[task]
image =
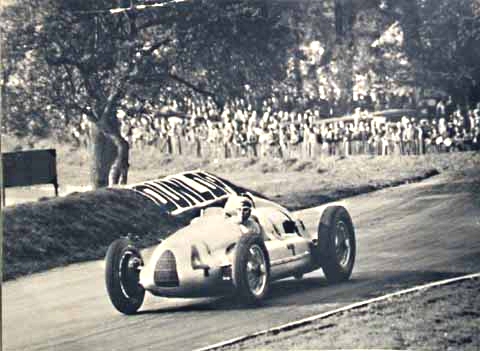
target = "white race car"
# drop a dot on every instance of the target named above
(212, 256)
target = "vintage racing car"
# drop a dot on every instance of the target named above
(214, 256)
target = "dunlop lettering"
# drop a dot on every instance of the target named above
(195, 187)
(216, 181)
(216, 190)
(181, 192)
(185, 191)
(178, 200)
(148, 189)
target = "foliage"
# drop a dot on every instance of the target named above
(450, 45)
(211, 47)
(442, 40)
(83, 59)
(65, 59)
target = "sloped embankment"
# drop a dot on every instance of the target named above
(79, 227)
(47, 234)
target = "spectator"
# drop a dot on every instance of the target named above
(294, 141)
(252, 141)
(275, 129)
(228, 134)
(440, 109)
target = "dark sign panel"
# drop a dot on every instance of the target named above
(29, 168)
(185, 191)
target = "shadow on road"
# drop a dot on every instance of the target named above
(315, 290)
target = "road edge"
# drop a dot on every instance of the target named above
(305, 321)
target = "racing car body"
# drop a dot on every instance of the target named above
(212, 256)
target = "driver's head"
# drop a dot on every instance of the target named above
(240, 207)
(244, 210)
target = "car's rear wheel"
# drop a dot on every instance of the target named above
(336, 244)
(122, 273)
(251, 269)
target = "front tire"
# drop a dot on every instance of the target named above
(122, 271)
(336, 244)
(251, 269)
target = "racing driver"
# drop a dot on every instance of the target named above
(239, 209)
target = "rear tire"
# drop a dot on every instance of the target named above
(122, 276)
(336, 244)
(251, 269)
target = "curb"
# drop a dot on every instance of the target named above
(309, 320)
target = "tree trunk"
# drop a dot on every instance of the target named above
(344, 21)
(103, 153)
(119, 169)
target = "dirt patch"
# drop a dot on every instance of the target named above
(442, 318)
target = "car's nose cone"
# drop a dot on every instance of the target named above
(165, 273)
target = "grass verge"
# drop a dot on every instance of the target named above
(42, 235)
(79, 227)
(441, 318)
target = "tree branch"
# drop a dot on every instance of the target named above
(70, 79)
(91, 115)
(114, 95)
(155, 46)
(62, 60)
(195, 88)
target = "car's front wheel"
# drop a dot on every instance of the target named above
(122, 270)
(251, 269)
(336, 244)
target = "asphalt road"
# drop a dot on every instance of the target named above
(406, 236)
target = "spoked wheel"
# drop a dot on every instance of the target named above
(251, 270)
(343, 244)
(337, 246)
(122, 275)
(256, 270)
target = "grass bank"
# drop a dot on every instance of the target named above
(442, 318)
(42, 235)
(79, 227)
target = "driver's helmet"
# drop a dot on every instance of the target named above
(236, 203)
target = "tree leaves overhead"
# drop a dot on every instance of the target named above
(213, 46)
(75, 56)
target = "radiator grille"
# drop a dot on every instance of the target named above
(166, 270)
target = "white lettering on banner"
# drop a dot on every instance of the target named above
(199, 187)
(185, 191)
(155, 196)
(161, 185)
(152, 196)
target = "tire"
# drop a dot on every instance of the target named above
(251, 269)
(336, 244)
(122, 281)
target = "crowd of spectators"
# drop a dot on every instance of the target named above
(273, 130)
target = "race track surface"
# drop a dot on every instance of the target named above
(406, 236)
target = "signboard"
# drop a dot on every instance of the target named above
(27, 168)
(182, 192)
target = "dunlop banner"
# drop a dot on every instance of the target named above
(185, 191)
